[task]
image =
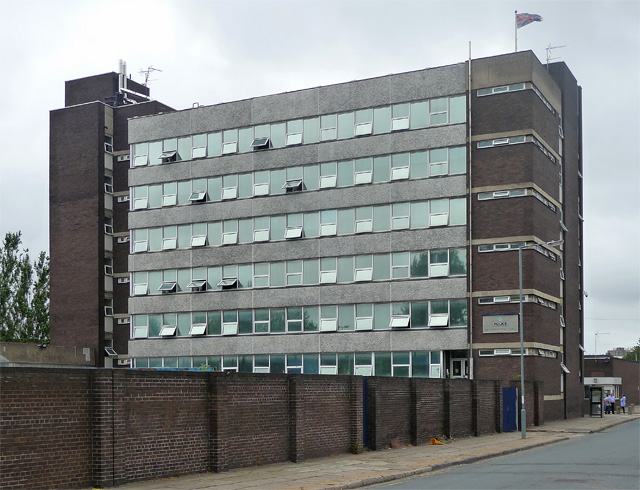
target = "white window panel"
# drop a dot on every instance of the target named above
(502, 299)
(169, 200)
(199, 152)
(140, 246)
(328, 229)
(140, 289)
(108, 229)
(399, 222)
(398, 173)
(499, 194)
(168, 331)
(364, 226)
(140, 161)
(261, 236)
(364, 274)
(364, 177)
(110, 352)
(198, 196)
(108, 188)
(169, 243)
(140, 203)
(139, 332)
(230, 328)
(438, 270)
(167, 287)
(263, 370)
(439, 219)
(439, 320)
(261, 189)
(328, 369)
(229, 193)
(364, 323)
(363, 370)
(565, 368)
(293, 139)
(364, 128)
(198, 329)
(230, 238)
(231, 147)
(328, 134)
(434, 371)
(199, 241)
(328, 277)
(328, 325)
(401, 321)
(399, 123)
(108, 310)
(293, 232)
(501, 141)
(327, 181)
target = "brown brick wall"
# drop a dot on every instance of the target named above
(111, 427)
(629, 371)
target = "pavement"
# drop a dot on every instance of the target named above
(375, 467)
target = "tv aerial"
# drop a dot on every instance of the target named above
(549, 58)
(147, 74)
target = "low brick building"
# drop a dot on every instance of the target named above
(621, 374)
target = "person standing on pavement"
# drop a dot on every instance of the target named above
(606, 405)
(612, 401)
(623, 403)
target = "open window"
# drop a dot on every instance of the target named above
(293, 139)
(399, 321)
(198, 285)
(293, 232)
(110, 352)
(261, 143)
(228, 283)
(364, 128)
(168, 287)
(198, 196)
(441, 320)
(293, 185)
(198, 329)
(169, 156)
(168, 330)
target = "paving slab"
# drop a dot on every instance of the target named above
(375, 467)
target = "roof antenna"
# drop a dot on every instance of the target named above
(147, 73)
(549, 58)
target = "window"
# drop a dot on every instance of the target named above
(293, 139)
(399, 321)
(198, 196)
(261, 143)
(439, 212)
(293, 232)
(293, 185)
(168, 287)
(364, 268)
(328, 270)
(400, 117)
(328, 318)
(168, 330)
(328, 127)
(364, 317)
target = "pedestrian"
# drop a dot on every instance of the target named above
(623, 403)
(612, 401)
(606, 405)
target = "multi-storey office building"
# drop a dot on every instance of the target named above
(89, 201)
(370, 227)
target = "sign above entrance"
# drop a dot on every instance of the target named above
(500, 323)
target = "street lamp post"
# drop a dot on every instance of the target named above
(523, 412)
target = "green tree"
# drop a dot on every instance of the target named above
(24, 293)
(634, 355)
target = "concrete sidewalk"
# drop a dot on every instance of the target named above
(371, 467)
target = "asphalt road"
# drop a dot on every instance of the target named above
(609, 460)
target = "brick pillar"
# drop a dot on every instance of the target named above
(102, 436)
(446, 408)
(356, 419)
(498, 397)
(474, 408)
(217, 393)
(538, 402)
(296, 419)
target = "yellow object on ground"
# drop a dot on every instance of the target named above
(436, 441)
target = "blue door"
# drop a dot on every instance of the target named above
(509, 409)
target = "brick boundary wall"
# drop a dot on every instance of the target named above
(70, 428)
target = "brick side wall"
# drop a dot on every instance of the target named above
(112, 427)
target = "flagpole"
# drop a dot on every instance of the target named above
(515, 25)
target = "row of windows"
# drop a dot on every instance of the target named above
(327, 318)
(526, 298)
(505, 247)
(516, 352)
(329, 222)
(347, 173)
(484, 196)
(516, 87)
(414, 115)
(516, 140)
(418, 364)
(327, 270)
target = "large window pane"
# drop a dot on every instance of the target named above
(420, 364)
(346, 317)
(381, 169)
(345, 269)
(458, 211)
(458, 262)
(459, 313)
(382, 218)
(383, 364)
(381, 120)
(345, 125)
(419, 215)
(382, 316)
(419, 315)
(457, 160)
(345, 173)
(457, 109)
(381, 267)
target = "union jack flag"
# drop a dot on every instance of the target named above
(526, 19)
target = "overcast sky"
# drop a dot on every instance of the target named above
(216, 51)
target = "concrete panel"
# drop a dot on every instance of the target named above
(286, 106)
(150, 128)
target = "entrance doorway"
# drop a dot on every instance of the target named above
(459, 368)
